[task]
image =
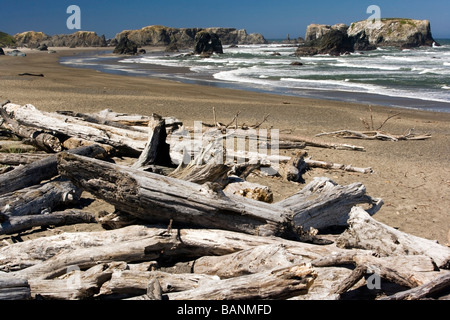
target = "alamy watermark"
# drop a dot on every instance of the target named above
(74, 21)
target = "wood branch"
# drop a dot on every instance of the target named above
(320, 144)
(366, 233)
(128, 141)
(375, 135)
(43, 140)
(16, 159)
(155, 198)
(323, 203)
(39, 199)
(356, 275)
(58, 218)
(275, 284)
(336, 166)
(156, 150)
(45, 169)
(431, 289)
(12, 288)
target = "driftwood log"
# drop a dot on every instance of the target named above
(364, 232)
(156, 198)
(12, 288)
(45, 169)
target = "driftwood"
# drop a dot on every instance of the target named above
(428, 290)
(129, 141)
(45, 169)
(275, 284)
(39, 138)
(16, 159)
(250, 190)
(376, 135)
(12, 288)
(156, 151)
(366, 233)
(58, 218)
(39, 199)
(156, 198)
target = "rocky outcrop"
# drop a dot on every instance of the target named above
(403, 33)
(333, 42)
(185, 37)
(32, 39)
(316, 31)
(366, 35)
(207, 43)
(126, 46)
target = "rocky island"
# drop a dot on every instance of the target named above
(366, 35)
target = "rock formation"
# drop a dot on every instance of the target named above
(126, 46)
(334, 43)
(366, 35)
(403, 33)
(185, 37)
(32, 39)
(207, 43)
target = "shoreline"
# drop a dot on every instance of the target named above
(412, 177)
(109, 63)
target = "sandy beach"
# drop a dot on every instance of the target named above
(412, 177)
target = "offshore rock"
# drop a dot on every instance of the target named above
(207, 43)
(402, 33)
(316, 31)
(333, 42)
(126, 46)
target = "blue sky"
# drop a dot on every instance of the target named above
(274, 19)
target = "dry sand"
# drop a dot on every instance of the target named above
(412, 177)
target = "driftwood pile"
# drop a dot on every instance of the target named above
(187, 225)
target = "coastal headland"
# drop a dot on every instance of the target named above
(412, 177)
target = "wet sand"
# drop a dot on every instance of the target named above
(412, 177)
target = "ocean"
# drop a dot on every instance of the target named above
(416, 78)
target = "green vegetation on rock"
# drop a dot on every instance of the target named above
(6, 40)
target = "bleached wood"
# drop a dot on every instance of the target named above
(274, 284)
(366, 233)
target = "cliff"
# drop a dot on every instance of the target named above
(185, 37)
(403, 33)
(32, 39)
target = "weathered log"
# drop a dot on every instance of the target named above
(39, 199)
(74, 143)
(429, 290)
(128, 141)
(11, 146)
(67, 217)
(156, 198)
(45, 169)
(336, 166)
(135, 283)
(323, 203)
(12, 288)
(200, 242)
(75, 284)
(376, 135)
(156, 150)
(43, 140)
(364, 232)
(274, 284)
(320, 144)
(16, 159)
